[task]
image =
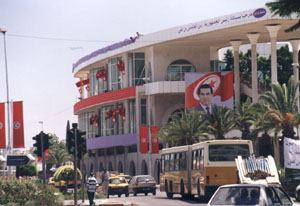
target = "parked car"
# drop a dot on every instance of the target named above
(297, 193)
(290, 183)
(142, 184)
(250, 194)
(117, 186)
(127, 177)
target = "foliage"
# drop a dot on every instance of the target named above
(183, 129)
(285, 8)
(66, 173)
(228, 58)
(26, 170)
(58, 153)
(282, 103)
(220, 122)
(27, 192)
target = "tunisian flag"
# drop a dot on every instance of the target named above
(154, 140)
(144, 139)
(221, 83)
(2, 126)
(18, 130)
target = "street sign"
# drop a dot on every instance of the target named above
(18, 160)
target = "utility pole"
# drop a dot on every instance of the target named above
(74, 125)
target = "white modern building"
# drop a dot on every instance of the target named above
(140, 81)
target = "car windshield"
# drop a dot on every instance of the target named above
(236, 196)
(145, 179)
(283, 196)
(117, 181)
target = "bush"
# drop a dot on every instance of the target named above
(26, 170)
(27, 192)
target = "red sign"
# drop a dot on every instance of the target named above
(144, 139)
(18, 125)
(154, 140)
(2, 126)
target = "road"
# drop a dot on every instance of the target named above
(161, 199)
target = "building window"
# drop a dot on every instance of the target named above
(119, 121)
(143, 112)
(107, 126)
(84, 125)
(97, 86)
(115, 76)
(132, 119)
(136, 68)
(176, 70)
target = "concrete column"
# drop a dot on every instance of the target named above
(253, 37)
(273, 30)
(126, 123)
(126, 161)
(295, 45)
(213, 56)
(126, 76)
(236, 45)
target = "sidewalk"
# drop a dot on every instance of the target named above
(100, 202)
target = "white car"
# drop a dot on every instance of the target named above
(297, 194)
(250, 194)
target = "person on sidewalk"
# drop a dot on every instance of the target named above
(91, 188)
(104, 178)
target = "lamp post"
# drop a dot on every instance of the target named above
(3, 31)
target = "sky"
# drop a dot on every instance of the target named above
(45, 37)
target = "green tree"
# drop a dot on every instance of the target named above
(284, 60)
(228, 58)
(26, 170)
(183, 129)
(220, 122)
(58, 153)
(285, 8)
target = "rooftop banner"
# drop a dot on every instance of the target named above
(18, 125)
(291, 149)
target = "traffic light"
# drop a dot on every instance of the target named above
(38, 145)
(71, 141)
(81, 144)
(47, 142)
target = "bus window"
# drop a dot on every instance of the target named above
(227, 152)
(167, 162)
(182, 161)
(201, 159)
(176, 162)
(171, 162)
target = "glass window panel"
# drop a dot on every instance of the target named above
(227, 152)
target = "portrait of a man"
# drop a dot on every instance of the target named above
(205, 96)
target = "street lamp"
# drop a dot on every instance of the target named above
(3, 31)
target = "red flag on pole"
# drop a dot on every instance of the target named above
(2, 126)
(154, 140)
(144, 139)
(18, 126)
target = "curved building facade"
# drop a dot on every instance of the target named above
(128, 90)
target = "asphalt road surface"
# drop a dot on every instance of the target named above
(160, 199)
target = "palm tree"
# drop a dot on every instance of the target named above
(183, 129)
(285, 8)
(219, 122)
(282, 105)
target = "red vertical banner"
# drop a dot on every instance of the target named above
(2, 126)
(18, 126)
(154, 140)
(144, 139)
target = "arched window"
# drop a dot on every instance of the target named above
(176, 112)
(176, 70)
(132, 168)
(110, 167)
(120, 167)
(144, 168)
(101, 168)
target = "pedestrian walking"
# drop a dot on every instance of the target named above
(91, 188)
(104, 178)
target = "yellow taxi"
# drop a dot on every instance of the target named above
(57, 183)
(127, 177)
(117, 186)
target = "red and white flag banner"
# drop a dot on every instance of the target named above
(154, 140)
(221, 83)
(144, 139)
(2, 126)
(18, 125)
